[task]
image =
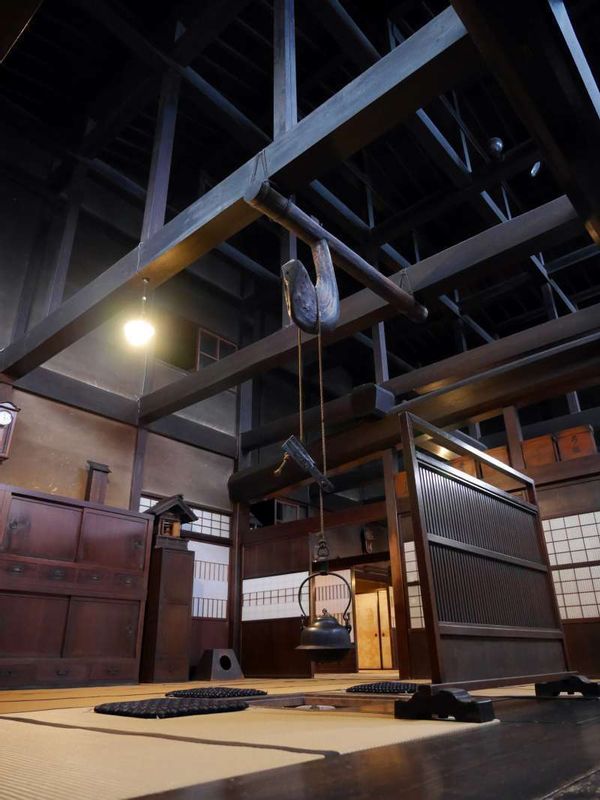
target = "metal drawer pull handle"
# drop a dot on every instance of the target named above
(57, 574)
(128, 580)
(17, 569)
(62, 672)
(95, 577)
(13, 524)
(138, 544)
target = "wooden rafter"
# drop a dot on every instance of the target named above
(434, 58)
(504, 244)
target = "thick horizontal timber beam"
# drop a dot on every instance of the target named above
(503, 244)
(282, 210)
(363, 401)
(548, 334)
(443, 373)
(436, 57)
(357, 515)
(79, 394)
(539, 376)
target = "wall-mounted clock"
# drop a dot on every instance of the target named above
(8, 417)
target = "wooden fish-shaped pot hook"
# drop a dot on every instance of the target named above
(308, 304)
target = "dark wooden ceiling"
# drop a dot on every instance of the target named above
(71, 83)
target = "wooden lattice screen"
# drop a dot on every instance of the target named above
(490, 611)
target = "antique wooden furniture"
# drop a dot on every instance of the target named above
(73, 579)
(490, 611)
(167, 632)
(576, 442)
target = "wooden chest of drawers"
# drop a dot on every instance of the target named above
(73, 582)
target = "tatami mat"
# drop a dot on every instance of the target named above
(61, 749)
(41, 763)
(324, 731)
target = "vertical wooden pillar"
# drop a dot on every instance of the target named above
(154, 218)
(474, 427)
(248, 415)
(285, 102)
(397, 565)
(240, 525)
(162, 153)
(552, 312)
(137, 476)
(421, 549)
(514, 437)
(63, 259)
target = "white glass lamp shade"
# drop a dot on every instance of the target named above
(138, 332)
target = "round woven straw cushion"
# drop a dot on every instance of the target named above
(217, 692)
(384, 687)
(164, 707)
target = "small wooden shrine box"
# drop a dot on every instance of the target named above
(166, 642)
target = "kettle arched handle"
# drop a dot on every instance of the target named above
(346, 614)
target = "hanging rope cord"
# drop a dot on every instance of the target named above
(300, 388)
(322, 548)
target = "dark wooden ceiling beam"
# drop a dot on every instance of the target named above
(358, 48)
(532, 49)
(450, 370)
(402, 222)
(437, 56)
(529, 379)
(79, 394)
(479, 359)
(503, 245)
(363, 401)
(135, 87)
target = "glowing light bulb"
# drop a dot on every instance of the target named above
(138, 332)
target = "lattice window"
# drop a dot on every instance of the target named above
(574, 539)
(211, 571)
(209, 523)
(415, 603)
(209, 607)
(273, 597)
(574, 551)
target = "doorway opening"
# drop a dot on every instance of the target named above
(374, 623)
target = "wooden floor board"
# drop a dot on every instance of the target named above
(539, 746)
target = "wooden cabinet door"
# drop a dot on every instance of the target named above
(101, 628)
(31, 625)
(113, 540)
(41, 529)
